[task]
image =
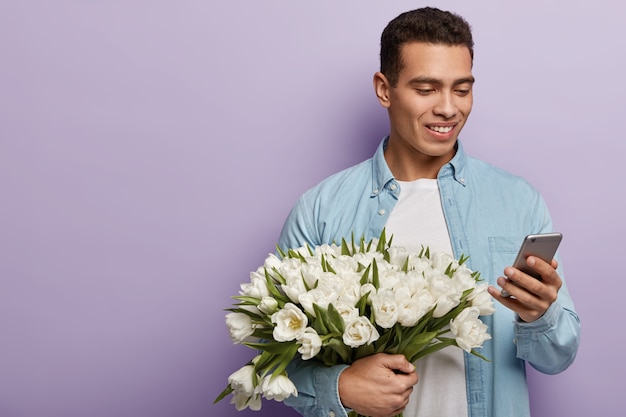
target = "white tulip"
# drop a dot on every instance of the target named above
(469, 332)
(446, 294)
(482, 299)
(442, 260)
(240, 327)
(290, 323)
(268, 305)
(278, 387)
(243, 401)
(360, 331)
(242, 380)
(385, 308)
(310, 343)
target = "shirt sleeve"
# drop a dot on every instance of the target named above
(317, 384)
(318, 389)
(550, 343)
(298, 229)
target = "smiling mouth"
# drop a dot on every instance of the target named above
(441, 129)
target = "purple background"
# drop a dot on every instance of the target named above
(150, 151)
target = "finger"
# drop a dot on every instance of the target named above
(508, 302)
(546, 270)
(524, 311)
(514, 282)
(402, 406)
(517, 282)
(399, 363)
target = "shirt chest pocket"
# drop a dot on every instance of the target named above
(502, 252)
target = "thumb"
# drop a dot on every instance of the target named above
(400, 363)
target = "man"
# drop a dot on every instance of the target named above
(422, 187)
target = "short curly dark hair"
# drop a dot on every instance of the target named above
(429, 25)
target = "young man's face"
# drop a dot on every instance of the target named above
(430, 103)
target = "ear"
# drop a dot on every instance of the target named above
(382, 89)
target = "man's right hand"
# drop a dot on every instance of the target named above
(377, 385)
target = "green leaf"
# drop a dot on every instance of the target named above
(280, 252)
(414, 356)
(364, 350)
(247, 300)
(439, 323)
(264, 361)
(263, 333)
(345, 250)
(336, 321)
(342, 350)
(365, 276)
(329, 357)
(276, 363)
(286, 358)
(375, 280)
(297, 255)
(320, 320)
(252, 315)
(281, 298)
(382, 242)
(362, 304)
(276, 348)
(466, 293)
(476, 276)
(385, 342)
(326, 318)
(224, 393)
(475, 353)
(326, 267)
(405, 265)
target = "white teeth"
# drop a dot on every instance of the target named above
(441, 129)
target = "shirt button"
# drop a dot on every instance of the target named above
(331, 414)
(381, 211)
(462, 180)
(376, 190)
(393, 187)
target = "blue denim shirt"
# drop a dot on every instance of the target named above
(488, 211)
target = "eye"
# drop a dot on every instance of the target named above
(425, 91)
(463, 89)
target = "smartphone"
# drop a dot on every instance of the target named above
(543, 246)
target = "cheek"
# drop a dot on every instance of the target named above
(411, 112)
(466, 105)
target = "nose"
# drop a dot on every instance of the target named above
(445, 106)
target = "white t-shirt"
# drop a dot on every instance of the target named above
(416, 220)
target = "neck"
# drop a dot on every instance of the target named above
(408, 164)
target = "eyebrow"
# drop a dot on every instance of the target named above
(429, 80)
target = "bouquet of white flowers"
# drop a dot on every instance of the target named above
(336, 304)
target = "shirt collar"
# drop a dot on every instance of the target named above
(456, 166)
(381, 174)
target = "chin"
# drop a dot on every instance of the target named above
(441, 148)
